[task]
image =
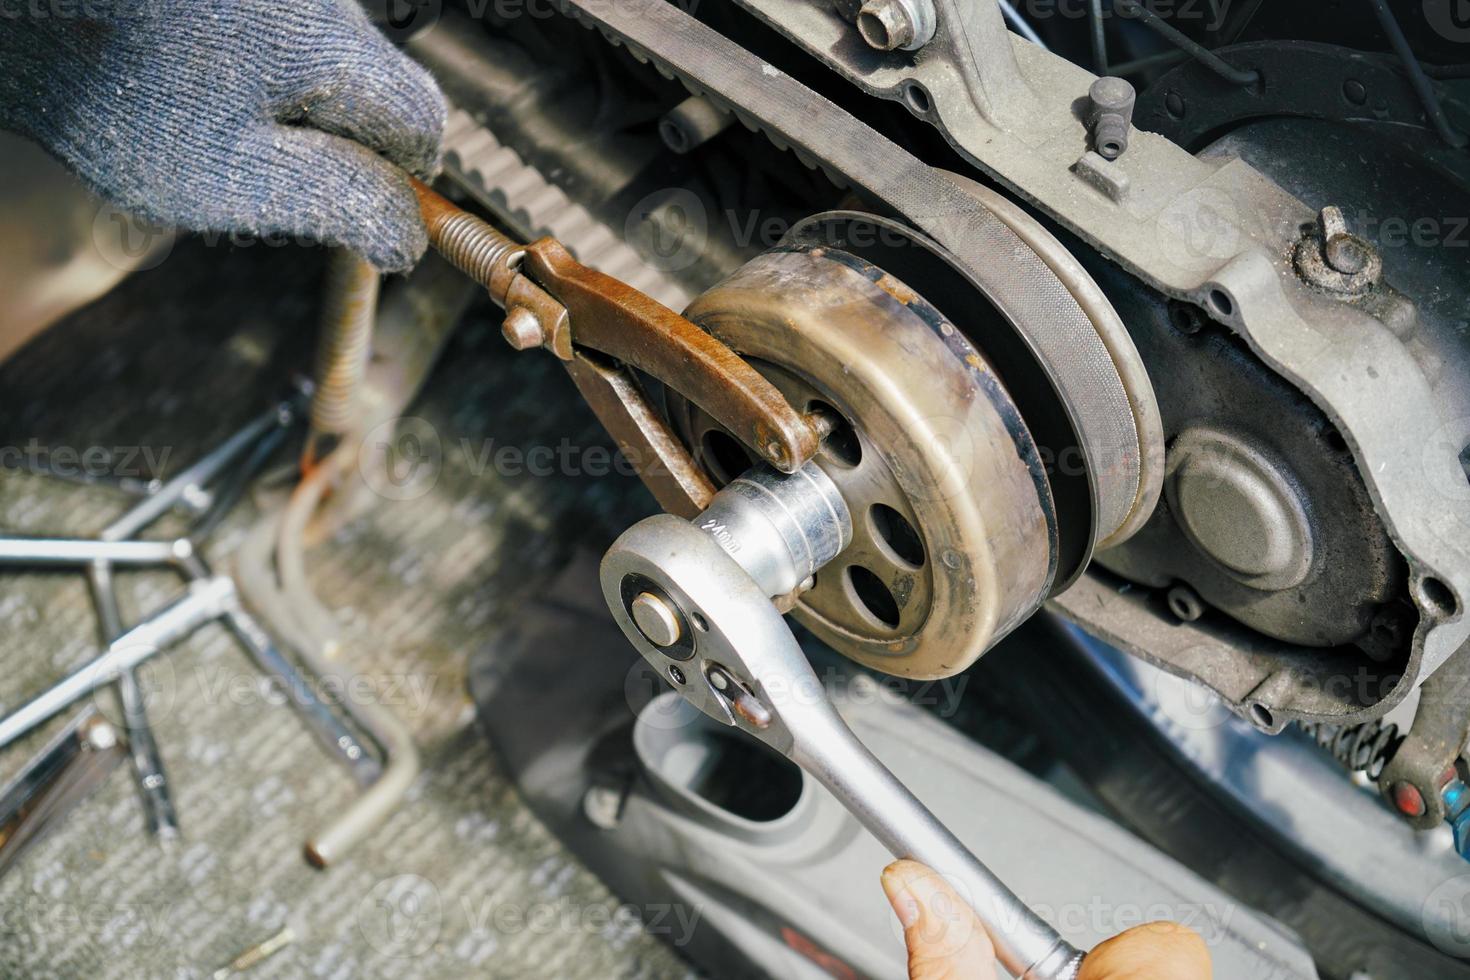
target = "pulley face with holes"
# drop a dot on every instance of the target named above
(954, 531)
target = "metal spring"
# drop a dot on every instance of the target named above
(348, 315)
(1365, 748)
(479, 251)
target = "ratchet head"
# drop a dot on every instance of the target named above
(704, 624)
(695, 597)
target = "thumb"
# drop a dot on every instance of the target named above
(1154, 949)
(944, 938)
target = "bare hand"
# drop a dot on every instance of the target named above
(947, 942)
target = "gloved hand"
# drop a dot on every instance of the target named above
(947, 942)
(258, 116)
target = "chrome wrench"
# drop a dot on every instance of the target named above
(205, 600)
(696, 599)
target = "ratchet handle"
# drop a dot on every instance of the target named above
(1025, 944)
(708, 624)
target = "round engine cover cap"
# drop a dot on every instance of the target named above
(1239, 507)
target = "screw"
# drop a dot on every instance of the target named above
(888, 25)
(1355, 91)
(1344, 251)
(522, 330)
(1174, 105)
(1335, 259)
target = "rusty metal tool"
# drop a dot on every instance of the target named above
(603, 330)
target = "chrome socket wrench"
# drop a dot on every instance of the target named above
(698, 599)
(205, 600)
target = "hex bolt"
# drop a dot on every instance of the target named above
(1110, 115)
(522, 330)
(893, 25)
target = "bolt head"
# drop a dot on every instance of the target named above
(522, 330)
(1408, 800)
(656, 619)
(1348, 254)
(887, 24)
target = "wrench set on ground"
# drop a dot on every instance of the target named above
(208, 597)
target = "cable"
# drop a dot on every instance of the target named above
(1422, 86)
(1020, 25)
(1197, 51)
(1099, 38)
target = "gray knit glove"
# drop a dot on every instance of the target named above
(271, 117)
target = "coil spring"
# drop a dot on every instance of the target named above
(479, 251)
(348, 315)
(1365, 748)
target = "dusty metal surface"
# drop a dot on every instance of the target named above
(463, 880)
(1209, 230)
(955, 539)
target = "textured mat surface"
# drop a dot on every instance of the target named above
(462, 880)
